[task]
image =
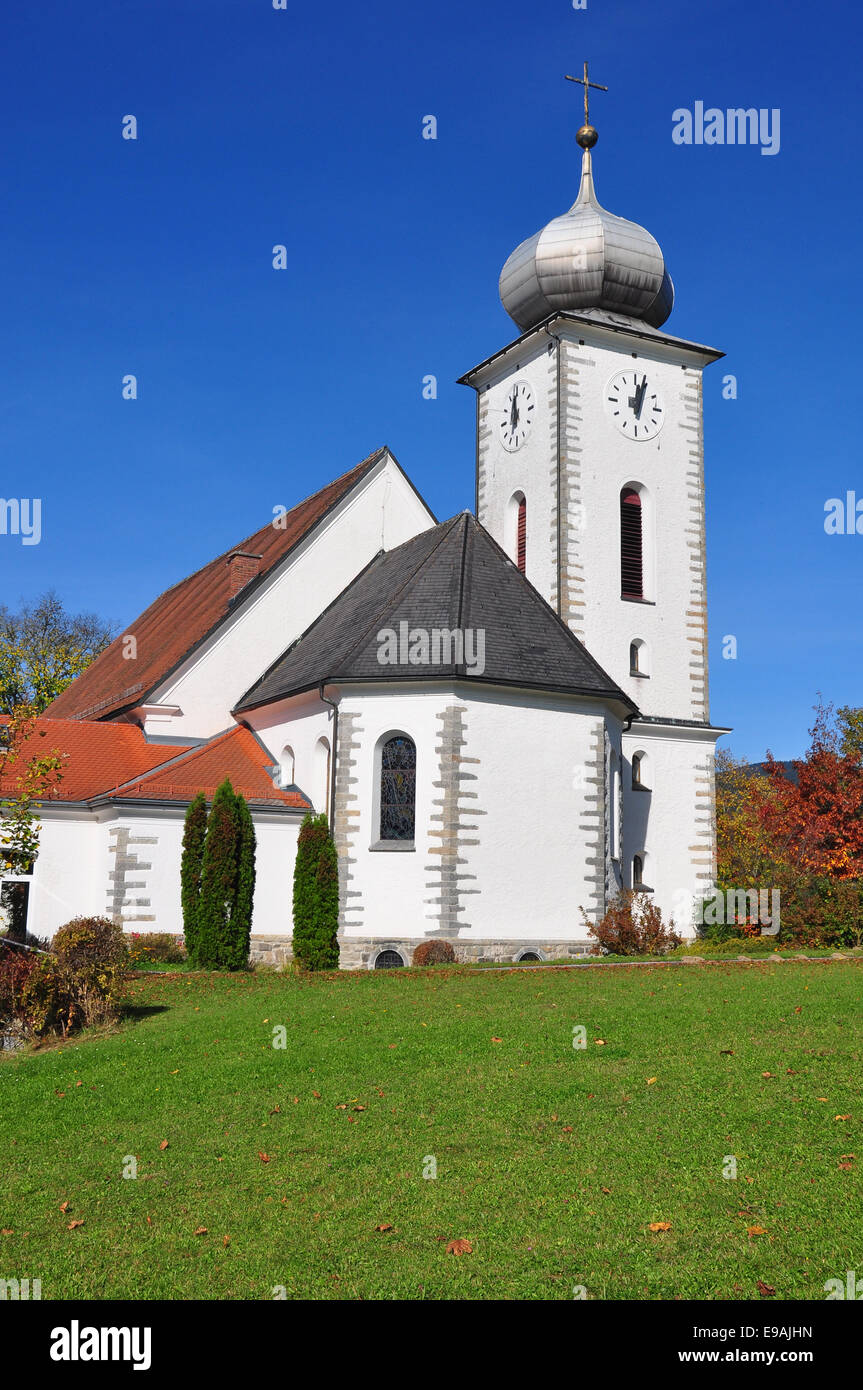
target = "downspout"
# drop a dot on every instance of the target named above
(333, 754)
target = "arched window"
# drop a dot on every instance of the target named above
(631, 556)
(322, 775)
(398, 788)
(521, 533)
(638, 663)
(287, 766)
(515, 530)
(637, 871)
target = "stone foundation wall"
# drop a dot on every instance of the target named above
(360, 953)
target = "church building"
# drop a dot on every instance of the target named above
(504, 715)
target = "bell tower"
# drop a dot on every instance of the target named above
(590, 474)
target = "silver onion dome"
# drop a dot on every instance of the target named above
(587, 259)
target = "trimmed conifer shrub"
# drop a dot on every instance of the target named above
(218, 880)
(316, 897)
(194, 834)
(327, 924)
(241, 926)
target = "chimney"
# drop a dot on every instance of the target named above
(242, 567)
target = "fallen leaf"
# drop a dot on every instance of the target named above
(226, 1240)
(600, 1042)
(842, 1117)
(554, 1119)
(359, 1107)
(316, 1094)
(384, 1226)
(846, 1166)
(73, 1224)
(391, 1045)
(459, 1247)
(64, 1206)
(265, 1158)
(659, 1226)
(847, 1158)
(823, 1099)
(277, 1111)
(765, 1290)
(175, 1072)
(149, 1220)
(606, 1189)
(79, 1083)
(567, 1129)
(497, 1039)
(650, 1080)
(755, 1231)
(201, 1231)
(164, 1144)
(726, 1052)
(767, 1073)
(61, 1094)
(341, 1107)
(6, 1232)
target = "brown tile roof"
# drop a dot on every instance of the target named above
(185, 614)
(114, 762)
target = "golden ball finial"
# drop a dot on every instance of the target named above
(587, 137)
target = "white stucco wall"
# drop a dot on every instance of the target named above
(72, 876)
(671, 823)
(380, 513)
(527, 838)
(598, 461)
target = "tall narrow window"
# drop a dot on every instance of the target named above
(521, 534)
(398, 788)
(631, 564)
(636, 769)
(637, 871)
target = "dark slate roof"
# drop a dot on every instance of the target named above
(453, 576)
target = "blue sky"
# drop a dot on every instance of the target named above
(259, 126)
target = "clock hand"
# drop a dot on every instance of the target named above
(642, 391)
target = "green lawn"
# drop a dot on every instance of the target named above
(551, 1161)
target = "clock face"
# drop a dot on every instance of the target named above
(635, 405)
(515, 416)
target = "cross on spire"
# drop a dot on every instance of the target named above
(586, 84)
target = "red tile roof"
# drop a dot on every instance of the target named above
(114, 762)
(184, 615)
(235, 754)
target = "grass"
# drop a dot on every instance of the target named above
(551, 1161)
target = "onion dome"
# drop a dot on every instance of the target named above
(587, 259)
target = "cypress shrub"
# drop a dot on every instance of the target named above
(241, 925)
(316, 912)
(218, 881)
(194, 834)
(327, 915)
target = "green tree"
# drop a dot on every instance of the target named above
(218, 880)
(316, 897)
(191, 864)
(245, 888)
(43, 648)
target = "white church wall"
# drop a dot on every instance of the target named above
(380, 513)
(527, 470)
(529, 825)
(80, 850)
(540, 855)
(301, 724)
(597, 461)
(669, 821)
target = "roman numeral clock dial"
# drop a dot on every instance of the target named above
(635, 405)
(515, 416)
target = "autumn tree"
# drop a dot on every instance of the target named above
(42, 649)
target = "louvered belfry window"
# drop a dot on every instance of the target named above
(398, 788)
(631, 566)
(521, 534)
